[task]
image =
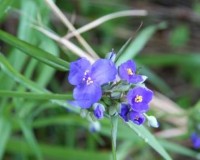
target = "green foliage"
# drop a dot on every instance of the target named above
(36, 122)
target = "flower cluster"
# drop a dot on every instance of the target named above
(103, 89)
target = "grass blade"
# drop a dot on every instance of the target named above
(57, 152)
(5, 4)
(34, 52)
(150, 139)
(138, 44)
(5, 132)
(38, 96)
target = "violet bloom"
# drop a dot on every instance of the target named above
(124, 110)
(136, 117)
(127, 72)
(89, 78)
(195, 138)
(98, 110)
(139, 99)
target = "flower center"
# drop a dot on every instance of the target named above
(138, 99)
(87, 78)
(129, 71)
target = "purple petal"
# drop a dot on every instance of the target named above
(77, 71)
(139, 95)
(124, 110)
(136, 117)
(195, 138)
(103, 71)
(86, 95)
(140, 107)
(135, 79)
(99, 111)
(127, 71)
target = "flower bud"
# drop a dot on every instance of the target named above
(98, 110)
(152, 121)
(95, 127)
(111, 55)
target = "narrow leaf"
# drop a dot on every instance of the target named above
(35, 52)
(5, 4)
(5, 132)
(138, 44)
(150, 139)
(38, 96)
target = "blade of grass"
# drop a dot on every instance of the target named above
(5, 132)
(56, 152)
(35, 52)
(30, 138)
(5, 4)
(150, 139)
(10, 71)
(158, 59)
(38, 96)
(138, 44)
(176, 148)
(67, 23)
(106, 18)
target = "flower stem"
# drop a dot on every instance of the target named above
(114, 122)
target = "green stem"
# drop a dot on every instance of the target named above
(114, 122)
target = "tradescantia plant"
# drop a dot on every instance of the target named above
(102, 89)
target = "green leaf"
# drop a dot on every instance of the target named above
(5, 132)
(114, 122)
(138, 44)
(38, 96)
(30, 138)
(150, 139)
(4, 6)
(56, 152)
(34, 51)
(10, 71)
(176, 148)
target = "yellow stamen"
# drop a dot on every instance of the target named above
(138, 98)
(129, 71)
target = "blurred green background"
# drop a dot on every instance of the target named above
(32, 127)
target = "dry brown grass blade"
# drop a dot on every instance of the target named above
(106, 18)
(76, 50)
(68, 24)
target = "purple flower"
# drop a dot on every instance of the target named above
(195, 138)
(89, 78)
(139, 98)
(124, 110)
(98, 110)
(127, 71)
(136, 117)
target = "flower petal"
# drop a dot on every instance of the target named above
(86, 95)
(103, 71)
(124, 110)
(140, 107)
(77, 71)
(98, 110)
(145, 95)
(136, 117)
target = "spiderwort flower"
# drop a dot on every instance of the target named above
(89, 78)
(98, 110)
(195, 138)
(139, 99)
(127, 72)
(136, 117)
(124, 110)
